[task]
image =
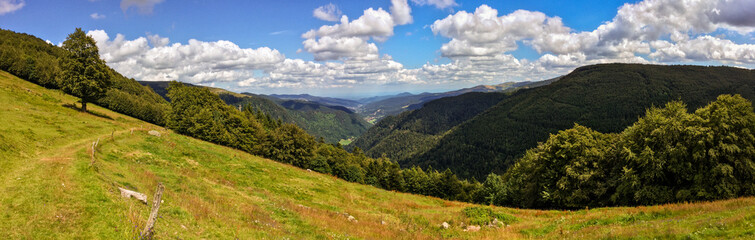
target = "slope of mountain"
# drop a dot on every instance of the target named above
(376, 108)
(332, 123)
(413, 132)
(52, 189)
(606, 98)
(351, 104)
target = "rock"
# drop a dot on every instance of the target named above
(445, 225)
(352, 219)
(309, 170)
(496, 222)
(472, 228)
(128, 194)
(154, 133)
(383, 223)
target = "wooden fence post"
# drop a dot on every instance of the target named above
(147, 232)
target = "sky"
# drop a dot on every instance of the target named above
(374, 47)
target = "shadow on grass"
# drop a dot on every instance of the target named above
(74, 107)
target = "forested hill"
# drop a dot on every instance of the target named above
(606, 98)
(332, 123)
(413, 132)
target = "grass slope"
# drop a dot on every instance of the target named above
(49, 190)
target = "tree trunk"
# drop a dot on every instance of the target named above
(83, 105)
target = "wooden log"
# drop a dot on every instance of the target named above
(147, 232)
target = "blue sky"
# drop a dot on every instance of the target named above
(423, 45)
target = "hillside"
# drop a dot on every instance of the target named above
(332, 123)
(34, 59)
(413, 132)
(376, 108)
(606, 98)
(213, 192)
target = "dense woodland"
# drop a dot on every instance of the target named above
(669, 155)
(414, 132)
(606, 97)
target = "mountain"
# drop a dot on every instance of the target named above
(52, 189)
(332, 123)
(351, 104)
(413, 132)
(605, 97)
(378, 107)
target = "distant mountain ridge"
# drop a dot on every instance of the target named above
(391, 106)
(352, 104)
(605, 97)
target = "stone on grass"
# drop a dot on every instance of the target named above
(472, 228)
(128, 194)
(154, 133)
(445, 225)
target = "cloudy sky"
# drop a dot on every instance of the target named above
(360, 48)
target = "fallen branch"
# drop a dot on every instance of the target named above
(147, 232)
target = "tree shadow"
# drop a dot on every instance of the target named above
(74, 107)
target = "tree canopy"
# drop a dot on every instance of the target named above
(85, 75)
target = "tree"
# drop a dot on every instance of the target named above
(84, 73)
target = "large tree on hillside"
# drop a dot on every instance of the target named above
(84, 73)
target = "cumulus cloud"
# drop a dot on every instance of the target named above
(144, 6)
(9, 6)
(401, 12)
(441, 4)
(97, 16)
(657, 31)
(328, 12)
(350, 39)
(152, 58)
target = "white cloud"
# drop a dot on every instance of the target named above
(97, 16)
(9, 6)
(484, 33)
(401, 12)
(328, 12)
(437, 3)
(144, 6)
(637, 34)
(195, 62)
(349, 40)
(328, 48)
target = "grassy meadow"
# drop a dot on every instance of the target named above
(51, 190)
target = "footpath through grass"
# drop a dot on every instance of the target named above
(50, 191)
